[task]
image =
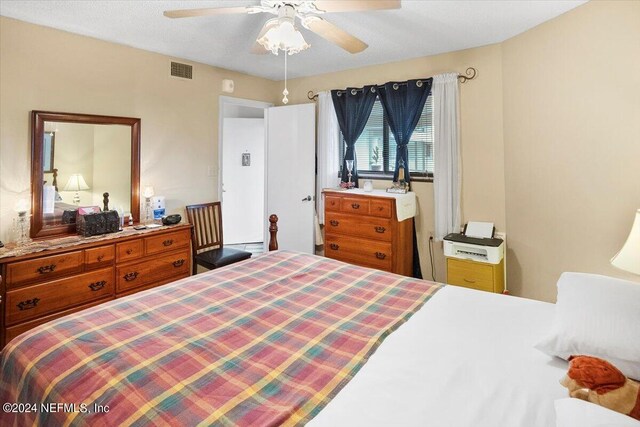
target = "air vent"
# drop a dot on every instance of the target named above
(181, 70)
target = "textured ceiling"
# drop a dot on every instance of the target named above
(419, 28)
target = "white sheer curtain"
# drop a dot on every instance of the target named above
(446, 155)
(328, 146)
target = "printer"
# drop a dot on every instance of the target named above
(487, 248)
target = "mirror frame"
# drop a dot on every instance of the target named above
(38, 118)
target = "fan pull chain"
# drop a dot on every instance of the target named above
(285, 92)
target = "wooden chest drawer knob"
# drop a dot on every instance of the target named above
(100, 258)
(96, 286)
(380, 229)
(334, 246)
(129, 251)
(355, 205)
(28, 304)
(167, 242)
(334, 222)
(380, 208)
(381, 255)
(131, 276)
(46, 269)
(178, 263)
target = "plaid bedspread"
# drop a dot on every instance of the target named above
(266, 342)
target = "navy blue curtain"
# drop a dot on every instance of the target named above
(353, 108)
(403, 103)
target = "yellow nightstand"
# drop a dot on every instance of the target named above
(476, 275)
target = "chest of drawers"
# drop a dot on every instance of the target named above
(476, 275)
(41, 286)
(364, 230)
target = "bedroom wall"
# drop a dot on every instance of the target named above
(47, 69)
(481, 134)
(572, 144)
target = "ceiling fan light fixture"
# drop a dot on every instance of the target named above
(283, 36)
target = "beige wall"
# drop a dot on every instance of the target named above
(571, 91)
(46, 69)
(481, 134)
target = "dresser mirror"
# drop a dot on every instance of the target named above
(75, 159)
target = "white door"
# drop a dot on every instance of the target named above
(243, 160)
(291, 174)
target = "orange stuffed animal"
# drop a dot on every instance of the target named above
(598, 381)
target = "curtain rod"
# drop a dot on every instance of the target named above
(469, 74)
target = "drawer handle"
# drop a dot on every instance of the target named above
(380, 208)
(334, 222)
(129, 251)
(380, 229)
(333, 203)
(334, 246)
(46, 269)
(168, 242)
(100, 258)
(28, 304)
(131, 276)
(96, 286)
(469, 281)
(381, 255)
(178, 263)
(355, 205)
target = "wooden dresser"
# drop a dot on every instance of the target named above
(38, 286)
(476, 275)
(363, 229)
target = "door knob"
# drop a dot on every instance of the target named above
(307, 199)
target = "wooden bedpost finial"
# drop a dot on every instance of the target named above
(273, 230)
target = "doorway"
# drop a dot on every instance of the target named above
(242, 161)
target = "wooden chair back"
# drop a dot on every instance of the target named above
(206, 219)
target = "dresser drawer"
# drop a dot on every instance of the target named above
(470, 274)
(44, 268)
(332, 203)
(167, 242)
(362, 226)
(355, 205)
(131, 250)
(37, 300)
(99, 257)
(368, 253)
(14, 331)
(152, 270)
(381, 207)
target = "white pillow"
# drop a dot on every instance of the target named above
(580, 413)
(597, 316)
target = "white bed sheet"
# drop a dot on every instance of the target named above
(465, 359)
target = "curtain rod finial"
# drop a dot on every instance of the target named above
(470, 74)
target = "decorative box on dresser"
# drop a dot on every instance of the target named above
(363, 228)
(51, 278)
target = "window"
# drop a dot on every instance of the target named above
(376, 147)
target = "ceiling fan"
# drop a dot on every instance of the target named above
(307, 12)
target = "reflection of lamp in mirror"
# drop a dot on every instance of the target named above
(148, 194)
(21, 223)
(76, 183)
(629, 256)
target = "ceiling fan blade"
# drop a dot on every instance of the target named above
(355, 5)
(209, 11)
(334, 34)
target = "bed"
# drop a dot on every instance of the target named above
(361, 347)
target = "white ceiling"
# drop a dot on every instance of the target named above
(419, 28)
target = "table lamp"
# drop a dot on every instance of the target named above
(629, 256)
(76, 183)
(148, 194)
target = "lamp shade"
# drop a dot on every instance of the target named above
(284, 36)
(76, 183)
(629, 256)
(148, 192)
